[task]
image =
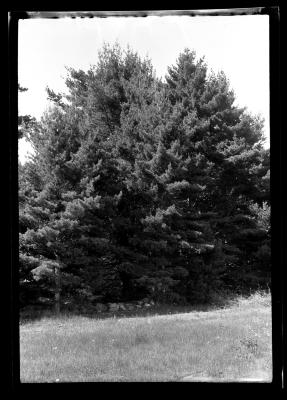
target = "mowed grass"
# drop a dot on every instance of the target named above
(232, 344)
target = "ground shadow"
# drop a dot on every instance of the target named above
(35, 313)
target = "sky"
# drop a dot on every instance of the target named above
(238, 45)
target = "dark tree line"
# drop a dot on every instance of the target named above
(143, 188)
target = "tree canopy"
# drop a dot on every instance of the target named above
(139, 187)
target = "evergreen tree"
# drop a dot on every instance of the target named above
(230, 142)
(139, 187)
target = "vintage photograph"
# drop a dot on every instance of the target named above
(144, 198)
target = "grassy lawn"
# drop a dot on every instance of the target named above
(231, 343)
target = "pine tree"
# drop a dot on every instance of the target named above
(139, 187)
(228, 141)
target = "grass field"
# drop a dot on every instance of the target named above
(230, 344)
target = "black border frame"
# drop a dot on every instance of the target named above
(278, 223)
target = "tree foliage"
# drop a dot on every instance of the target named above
(139, 187)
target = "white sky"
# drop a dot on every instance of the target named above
(238, 45)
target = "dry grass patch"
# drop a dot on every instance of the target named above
(232, 343)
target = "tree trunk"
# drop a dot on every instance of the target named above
(58, 289)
